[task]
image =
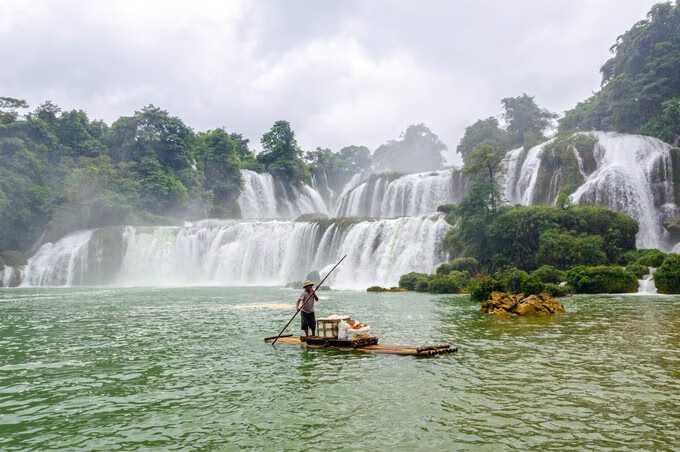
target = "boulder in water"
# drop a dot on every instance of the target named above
(385, 289)
(508, 304)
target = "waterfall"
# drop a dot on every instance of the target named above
(629, 173)
(8, 277)
(395, 195)
(258, 199)
(261, 198)
(63, 263)
(251, 252)
(633, 175)
(646, 284)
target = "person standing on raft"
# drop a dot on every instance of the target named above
(307, 298)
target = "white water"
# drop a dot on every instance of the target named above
(408, 195)
(259, 198)
(633, 176)
(63, 263)
(6, 276)
(253, 252)
(647, 285)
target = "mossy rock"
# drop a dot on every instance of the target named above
(385, 289)
(673, 228)
(560, 171)
(308, 217)
(13, 258)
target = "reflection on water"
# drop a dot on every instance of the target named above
(187, 368)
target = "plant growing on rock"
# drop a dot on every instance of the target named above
(602, 279)
(667, 276)
(410, 280)
(549, 274)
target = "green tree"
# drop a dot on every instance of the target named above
(484, 131)
(219, 155)
(96, 194)
(525, 119)
(417, 150)
(485, 165)
(281, 154)
(9, 107)
(242, 149)
(161, 191)
(640, 82)
(152, 133)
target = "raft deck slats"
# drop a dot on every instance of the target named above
(408, 350)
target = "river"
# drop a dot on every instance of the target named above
(186, 368)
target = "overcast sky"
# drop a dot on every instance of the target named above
(342, 72)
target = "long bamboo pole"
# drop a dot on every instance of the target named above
(308, 298)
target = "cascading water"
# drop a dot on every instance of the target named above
(633, 175)
(260, 198)
(63, 263)
(8, 277)
(646, 284)
(252, 252)
(389, 196)
(629, 173)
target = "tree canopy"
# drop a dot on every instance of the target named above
(526, 124)
(418, 149)
(640, 83)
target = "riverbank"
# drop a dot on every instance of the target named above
(186, 367)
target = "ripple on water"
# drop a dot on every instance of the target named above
(187, 368)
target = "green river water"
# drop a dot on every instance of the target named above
(187, 369)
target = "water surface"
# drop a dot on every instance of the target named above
(186, 368)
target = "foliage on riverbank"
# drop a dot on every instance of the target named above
(528, 237)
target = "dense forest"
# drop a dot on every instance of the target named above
(61, 171)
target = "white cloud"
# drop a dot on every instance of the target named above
(343, 72)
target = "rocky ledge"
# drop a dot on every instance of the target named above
(507, 304)
(386, 289)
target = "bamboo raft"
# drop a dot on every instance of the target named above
(369, 345)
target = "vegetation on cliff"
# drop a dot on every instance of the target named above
(640, 83)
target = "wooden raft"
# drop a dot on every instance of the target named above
(369, 345)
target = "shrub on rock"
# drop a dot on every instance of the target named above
(482, 289)
(443, 284)
(638, 270)
(667, 276)
(465, 264)
(514, 280)
(555, 290)
(410, 280)
(444, 269)
(531, 285)
(423, 286)
(549, 274)
(602, 279)
(648, 257)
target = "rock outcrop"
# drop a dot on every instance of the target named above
(385, 289)
(508, 304)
